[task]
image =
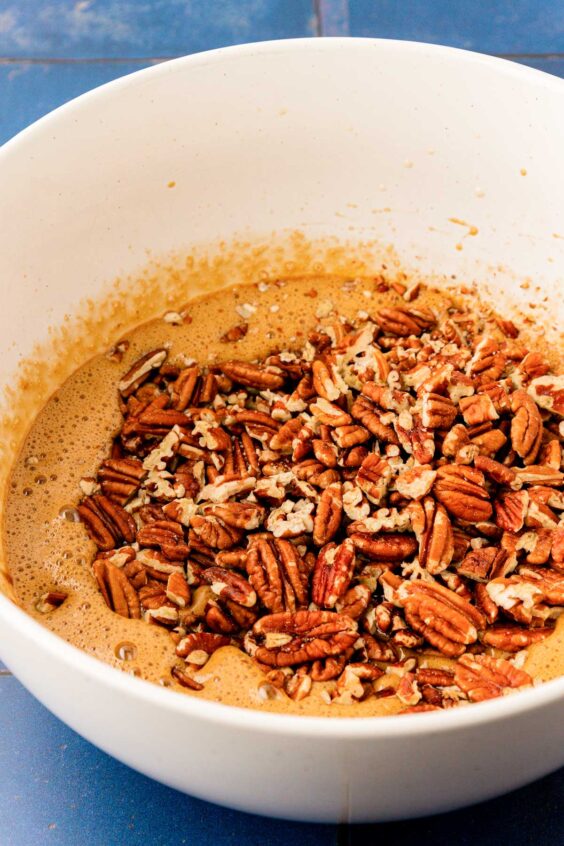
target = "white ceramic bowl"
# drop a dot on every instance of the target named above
(356, 138)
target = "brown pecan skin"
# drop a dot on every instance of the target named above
(526, 426)
(329, 514)
(332, 573)
(300, 637)
(229, 585)
(385, 547)
(116, 589)
(404, 321)
(463, 493)
(252, 375)
(433, 529)
(107, 522)
(483, 677)
(204, 641)
(514, 638)
(446, 620)
(278, 574)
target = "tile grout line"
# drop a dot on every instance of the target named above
(53, 60)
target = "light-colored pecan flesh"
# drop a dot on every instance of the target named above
(392, 489)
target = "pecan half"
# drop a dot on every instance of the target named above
(463, 493)
(253, 375)
(511, 510)
(483, 677)
(107, 523)
(526, 426)
(120, 478)
(328, 515)
(118, 592)
(385, 547)
(433, 531)
(278, 574)
(371, 418)
(214, 533)
(513, 638)
(332, 573)
(446, 620)
(283, 640)
(405, 321)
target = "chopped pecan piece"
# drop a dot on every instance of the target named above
(184, 679)
(228, 585)
(416, 483)
(238, 515)
(235, 333)
(437, 412)
(373, 477)
(298, 686)
(482, 564)
(140, 371)
(200, 642)
(477, 409)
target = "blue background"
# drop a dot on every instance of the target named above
(55, 788)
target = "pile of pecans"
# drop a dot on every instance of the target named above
(391, 492)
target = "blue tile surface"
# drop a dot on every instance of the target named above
(494, 26)
(55, 787)
(138, 28)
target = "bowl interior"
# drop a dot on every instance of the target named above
(423, 159)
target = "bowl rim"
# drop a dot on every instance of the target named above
(338, 728)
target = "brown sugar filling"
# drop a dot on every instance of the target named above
(405, 509)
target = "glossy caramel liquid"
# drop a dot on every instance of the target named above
(46, 549)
